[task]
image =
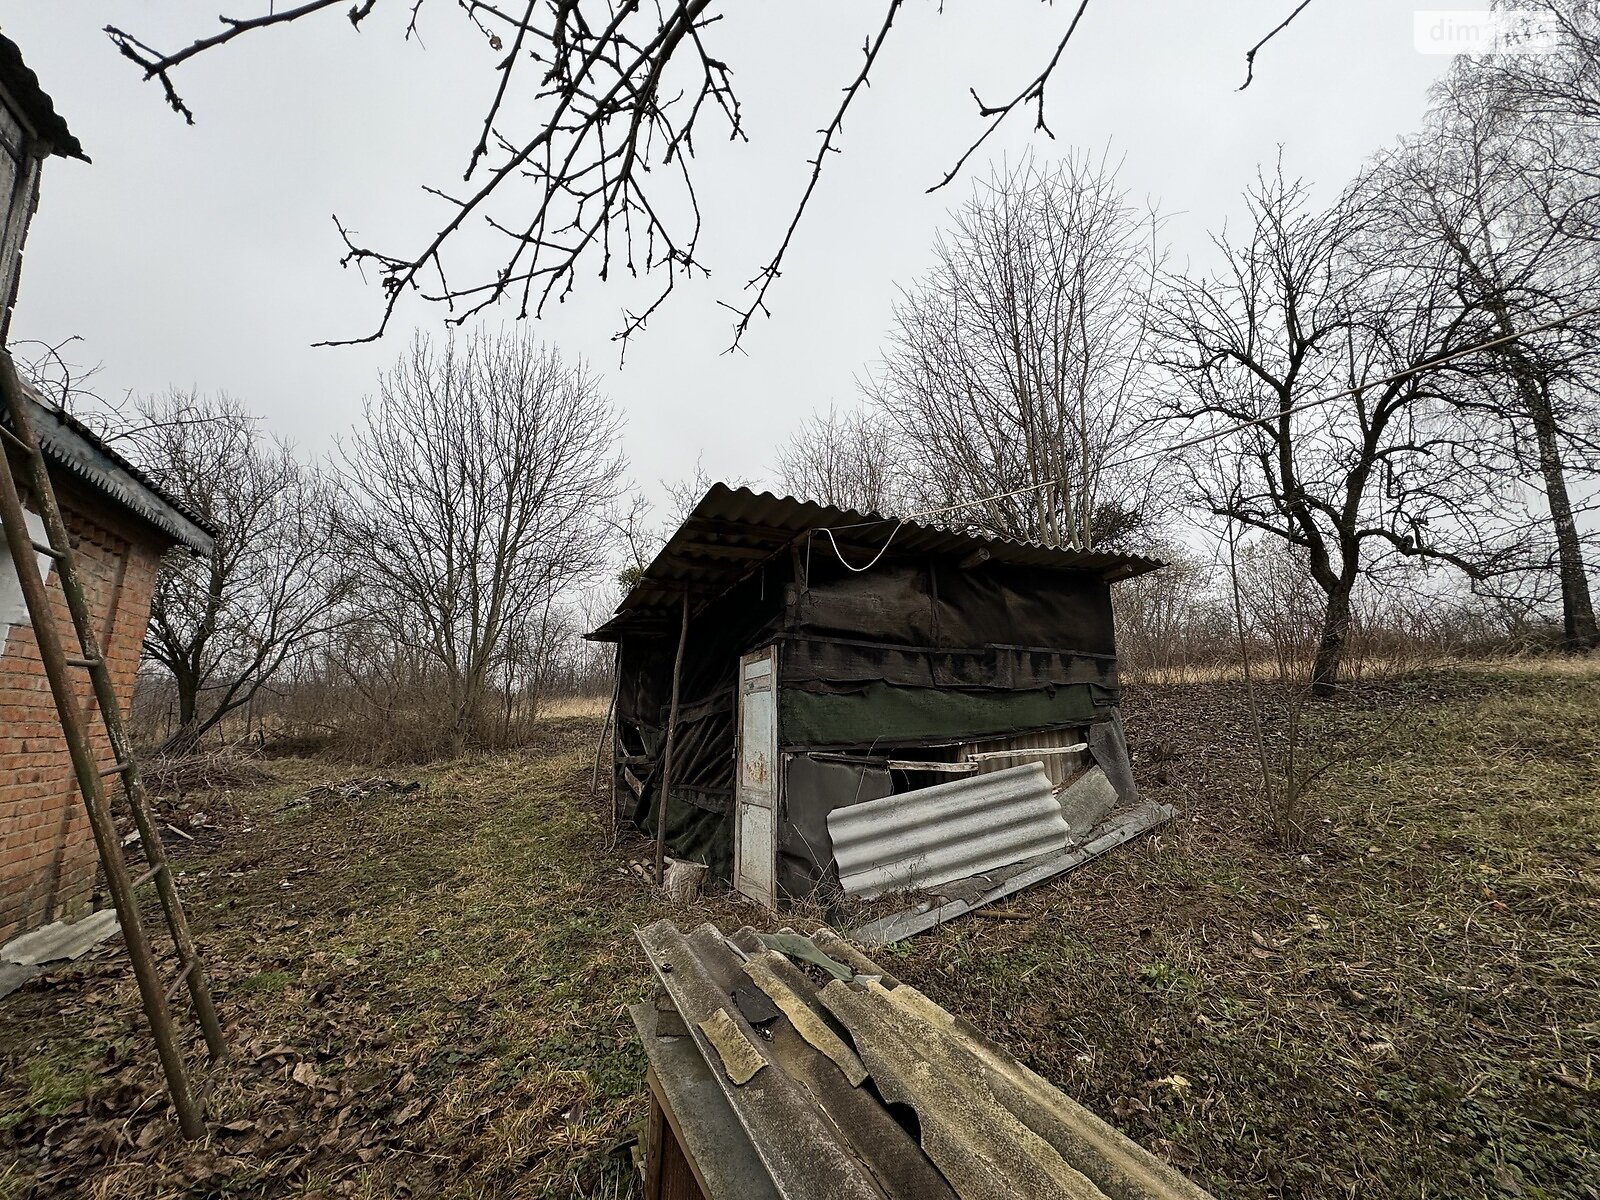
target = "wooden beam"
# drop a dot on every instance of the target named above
(666, 760)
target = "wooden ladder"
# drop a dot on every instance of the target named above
(155, 993)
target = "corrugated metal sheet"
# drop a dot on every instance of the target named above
(806, 1124)
(732, 531)
(1113, 833)
(935, 835)
(70, 446)
(34, 103)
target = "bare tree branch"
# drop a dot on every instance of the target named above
(765, 277)
(1033, 92)
(1250, 54)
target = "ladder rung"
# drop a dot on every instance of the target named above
(148, 875)
(15, 440)
(88, 663)
(172, 989)
(114, 769)
(48, 550)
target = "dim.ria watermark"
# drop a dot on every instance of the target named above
(1482, 31)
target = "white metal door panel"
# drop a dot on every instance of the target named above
(756, 787)
(755, 876)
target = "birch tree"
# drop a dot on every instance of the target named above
(1498, 198)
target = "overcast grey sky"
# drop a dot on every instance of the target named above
(206, 256)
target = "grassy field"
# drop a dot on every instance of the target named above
(427, 988)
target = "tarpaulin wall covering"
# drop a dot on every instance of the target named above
(925, 652)
(813, 790)
(878, 715)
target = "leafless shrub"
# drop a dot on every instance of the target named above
(1279, 597)
(1172, 621)
(204, 771)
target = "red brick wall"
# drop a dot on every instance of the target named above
(48, 861)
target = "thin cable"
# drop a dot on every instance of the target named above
(875, 557)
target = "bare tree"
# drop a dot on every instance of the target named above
(482, 475)
(1016, 371)
(1560, 88)
(51, 370)
(584, 154)
(684, 493)
(272, 590)
(1314, 357)
(1497, 197)
(845, 459)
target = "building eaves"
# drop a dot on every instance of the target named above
(732, 531)
(33, 103)
(70, 446)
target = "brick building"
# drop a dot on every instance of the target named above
(120, 525)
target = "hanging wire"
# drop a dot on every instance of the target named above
(875, 557)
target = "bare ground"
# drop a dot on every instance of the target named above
(426, 989)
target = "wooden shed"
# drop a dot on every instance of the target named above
(834, 658)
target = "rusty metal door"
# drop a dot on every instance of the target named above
(755, 824)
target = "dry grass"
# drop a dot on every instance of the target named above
(1382, 667)
(426, 991)
(576, 706)
(1412, 1008)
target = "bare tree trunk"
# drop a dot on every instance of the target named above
(666, 754)
(183, 738)
(1331, 646)
(1579, 630)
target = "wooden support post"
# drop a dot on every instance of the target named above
(600, 747)
(605, 727)
(666, 753)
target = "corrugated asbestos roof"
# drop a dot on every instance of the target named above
(69, 446)
(859, 1088)
(34, 103)
(950, 831)
(732, 531)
